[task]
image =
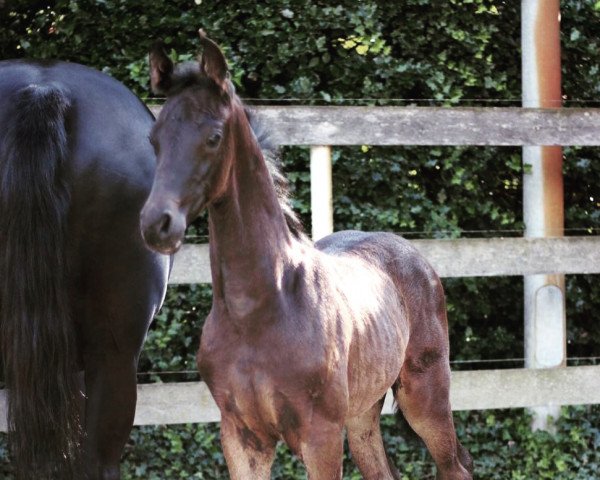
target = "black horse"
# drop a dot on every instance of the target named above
(78, 288)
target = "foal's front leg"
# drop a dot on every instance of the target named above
(322, 449)
(249, 454)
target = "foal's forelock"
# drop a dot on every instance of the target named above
(189, 74)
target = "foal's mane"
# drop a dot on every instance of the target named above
(188, 74)
(271, 154)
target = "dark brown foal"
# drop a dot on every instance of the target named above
(303, 340)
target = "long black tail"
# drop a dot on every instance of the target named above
(36, 331)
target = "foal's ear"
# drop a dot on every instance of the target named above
(212, 62)
(161, 69)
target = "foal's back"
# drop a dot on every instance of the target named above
(397, 261)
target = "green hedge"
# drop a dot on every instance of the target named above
(501, 442)
(459, 52)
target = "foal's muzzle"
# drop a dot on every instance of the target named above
(162, 228)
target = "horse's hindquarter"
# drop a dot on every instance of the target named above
(112, 169)
(76, 168)
(109, 170)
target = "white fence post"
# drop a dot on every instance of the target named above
(321, 196)
(543, 204)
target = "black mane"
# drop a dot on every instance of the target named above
(272, 157)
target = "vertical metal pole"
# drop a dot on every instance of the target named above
(321, 196)
(543, 203)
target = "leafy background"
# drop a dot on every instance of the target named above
(375, 52)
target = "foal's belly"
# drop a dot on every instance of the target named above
(374, 366)
(379, 336)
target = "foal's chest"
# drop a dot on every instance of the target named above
(260, 387)
(250, 392)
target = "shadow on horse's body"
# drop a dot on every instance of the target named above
(78, 287)
(302, 341)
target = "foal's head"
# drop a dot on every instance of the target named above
(192, 141)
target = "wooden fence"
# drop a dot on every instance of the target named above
(318, 126)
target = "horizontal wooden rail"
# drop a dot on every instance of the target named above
(471, 390)
(170, 403)
(458, 258)
(502, 126)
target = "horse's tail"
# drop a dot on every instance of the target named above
(36, 330)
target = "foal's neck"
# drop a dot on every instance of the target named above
(250, 242)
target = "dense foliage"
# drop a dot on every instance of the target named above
(501, 442)
(460, 52)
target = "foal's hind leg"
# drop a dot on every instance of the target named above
(366, 445)
(321, 447)
(423, 397)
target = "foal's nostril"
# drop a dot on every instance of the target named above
(162, 228)
(165, 224)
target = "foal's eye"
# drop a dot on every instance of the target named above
(214, 140)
